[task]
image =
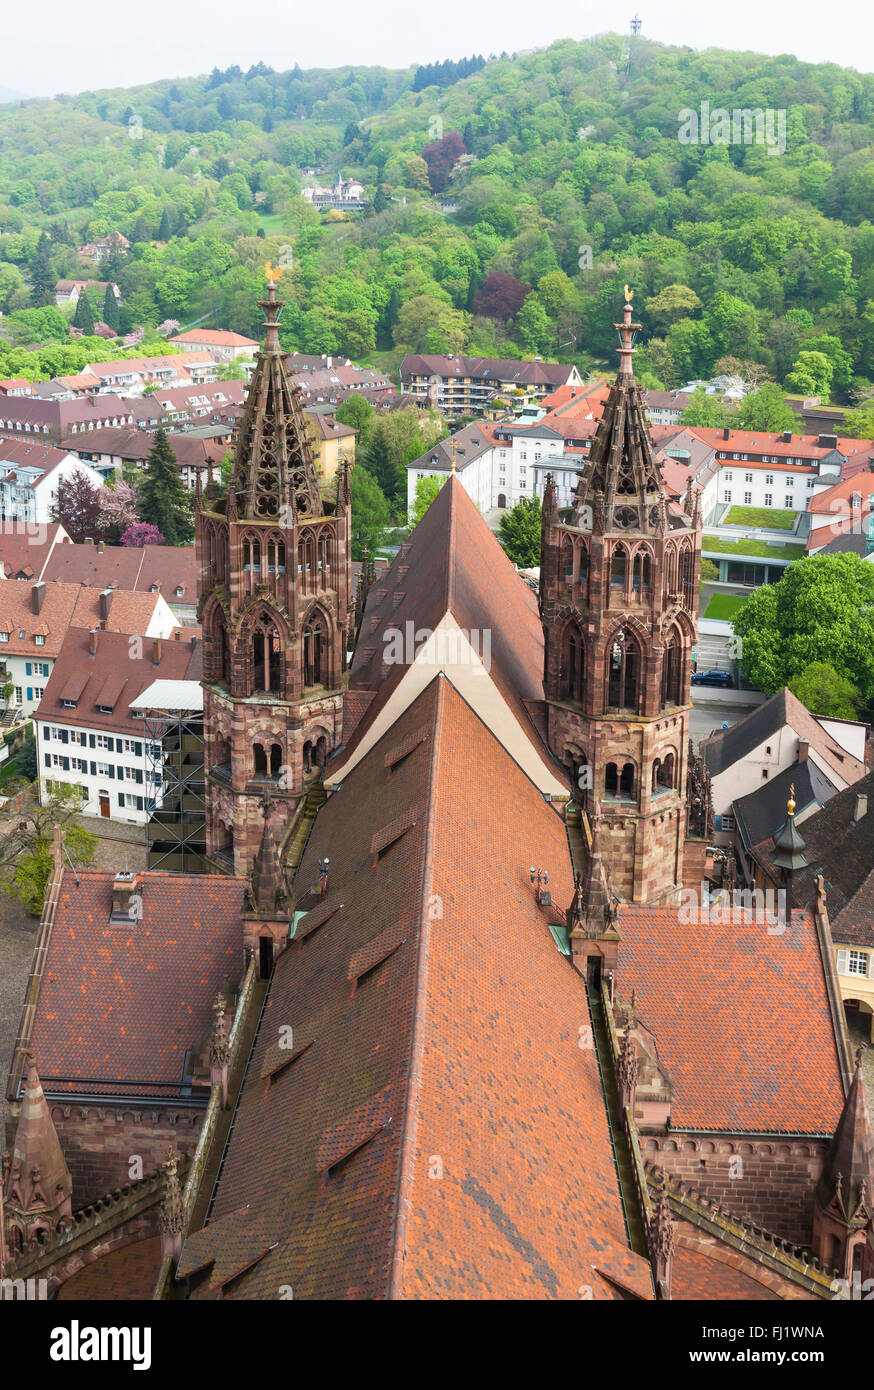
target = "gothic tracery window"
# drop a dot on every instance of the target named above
(573, 664)
(266, 656)
(623, 672)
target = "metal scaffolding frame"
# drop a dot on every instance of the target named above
(176, 830)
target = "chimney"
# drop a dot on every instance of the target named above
(828, 441)
(803, 749)
(93, 635)
(726, 433)
(89, 540)
(100, 547)
(105, 604)
(127, 897)
(861, 807)
(158, 649)
(786, 436)
(37, 597)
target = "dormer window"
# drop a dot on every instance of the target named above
(39, 639)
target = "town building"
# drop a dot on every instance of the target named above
(219, 344)
(465, 385)
(54, 420)
(345, 195)
(90, 730)
(30, 473)
(35, 619)
(108, 450)
(115, 244)
(70, 292)
(780, 734)
(132, 375)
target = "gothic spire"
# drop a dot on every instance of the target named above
(274, 475)
(621, 487)
(848, 1175)
(593, 909)
(40, 1178)
(268, 880)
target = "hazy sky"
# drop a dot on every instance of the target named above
(71, 49)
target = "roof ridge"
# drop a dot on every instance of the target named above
(417, 1041)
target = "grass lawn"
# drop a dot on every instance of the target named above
(771, 517)
(717, 546)
(724, 606)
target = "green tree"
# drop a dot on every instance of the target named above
(672, 303)
(110, 308)
(162, 499)
(709, 571)
(859, 423)
(359, 414)
(822, 610)
(84, 316)
(811, 375)
(765, 409)
(821, 690)
(42, 278)
(519, 532)
(704, 410)
(26, 852)
(426, 490)
(370, 513)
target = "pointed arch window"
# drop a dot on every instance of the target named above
(314, 651)
(567, 561)
(687, 577)
(305, 563)
(324, 551)
(266, 657)
(252, 561)
(641, 574)
(672, 669)
(623, 672)
(275, 555)
(618, 569)
(573, 664)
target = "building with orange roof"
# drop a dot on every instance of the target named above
(221, 346)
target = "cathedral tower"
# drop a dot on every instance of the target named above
(619, 604)
(274, 579)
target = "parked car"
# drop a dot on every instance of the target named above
(713, 677)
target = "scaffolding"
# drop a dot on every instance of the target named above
(176, 830)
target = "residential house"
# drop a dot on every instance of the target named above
(29, 477)
(777, 735)
(221, 346)
(54, 420)
(470, 453)
(35, 618)
(346, 195)
(90, 733)
(332, 443)
(463, 385)
(133, 375)
(98, 251)
(110, 449)
(70, 292)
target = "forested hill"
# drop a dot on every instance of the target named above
(486, 189)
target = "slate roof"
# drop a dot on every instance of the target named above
(467, 1126)
(842, 850)
(119, 1275)
(699, 1277)
(728, 746)
(120, 1003)
(759, 814)
(740, 1017)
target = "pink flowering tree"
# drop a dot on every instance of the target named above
(118, 510)
(142, 533)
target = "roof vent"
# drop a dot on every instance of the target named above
(860, 810)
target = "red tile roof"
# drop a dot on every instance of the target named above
(119, 1275)
(740, 1017)
(445, 1083)
(703, 1278)
(214, 337)
(120, 1003)
(128, 567)
(118, 666)
(451, 564)
(64, 607)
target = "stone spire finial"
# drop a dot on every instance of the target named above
(40, 1188)
(626, 330)
(661, 1239)
(171, 1216)
(271, 306)
(849, 1164)
(628, 1069)
(549, 510)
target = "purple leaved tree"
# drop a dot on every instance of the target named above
(142, 533)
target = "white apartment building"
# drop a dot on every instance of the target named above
(29, 477)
